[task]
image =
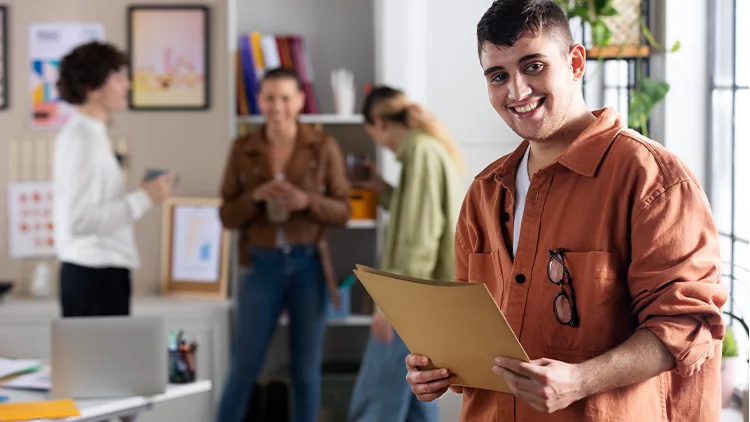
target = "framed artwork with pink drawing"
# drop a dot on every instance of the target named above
(169, 57)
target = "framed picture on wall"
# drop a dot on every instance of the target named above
(3, 57)
(195, 249)
(169, 57)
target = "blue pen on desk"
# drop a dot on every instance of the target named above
(3, 399)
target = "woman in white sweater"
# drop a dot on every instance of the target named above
(93, 213)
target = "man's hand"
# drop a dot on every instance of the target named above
(545, 384)
(160, 188)
(427, 385)
(381, 328)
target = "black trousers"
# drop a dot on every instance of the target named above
(86, 291)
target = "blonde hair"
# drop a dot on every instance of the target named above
(391, 104)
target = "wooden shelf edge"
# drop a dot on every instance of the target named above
(334, 119)
(618, 52)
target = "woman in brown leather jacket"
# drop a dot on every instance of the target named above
(283, 185)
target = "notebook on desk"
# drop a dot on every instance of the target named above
(457, 325)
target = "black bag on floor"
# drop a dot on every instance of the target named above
(269, 403)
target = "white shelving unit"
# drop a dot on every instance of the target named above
(338, 34)
(362, 224)
(313, 119)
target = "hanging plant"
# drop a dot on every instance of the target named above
(647, 93)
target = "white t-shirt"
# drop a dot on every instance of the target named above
(93, 214)
(522, 188)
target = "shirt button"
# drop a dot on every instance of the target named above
(520, 278)
(505, 217)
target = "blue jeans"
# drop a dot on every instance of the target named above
(277, 278)
(381, 392)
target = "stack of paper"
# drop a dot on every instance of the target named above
(10, 367)
(39, 380)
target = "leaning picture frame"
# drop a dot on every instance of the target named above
(169, 70)
(4, 95)
(195, 249)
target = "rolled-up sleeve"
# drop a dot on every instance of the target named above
(674, 275)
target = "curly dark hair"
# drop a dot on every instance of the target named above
(86, 68)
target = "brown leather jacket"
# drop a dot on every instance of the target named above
(316, 166)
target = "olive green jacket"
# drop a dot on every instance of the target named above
(423, 210)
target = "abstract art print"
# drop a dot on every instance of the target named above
(48, 44)
(169, 68)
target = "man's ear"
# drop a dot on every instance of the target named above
(577, 60)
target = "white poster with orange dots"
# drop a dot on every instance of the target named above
(31, 231)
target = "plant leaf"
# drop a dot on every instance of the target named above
(654, 90)
(601, 33)
(608, 11)
(600, 5)
(579, 11)
(675, 47)
(650, 37)
(643, 100)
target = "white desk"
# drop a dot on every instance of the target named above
(126, 408)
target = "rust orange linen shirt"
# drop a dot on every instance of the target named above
(643, 253)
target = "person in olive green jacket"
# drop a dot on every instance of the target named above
(419, 239)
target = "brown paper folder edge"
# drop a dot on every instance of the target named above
(367, 269)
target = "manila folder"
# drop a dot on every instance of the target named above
(457, 325)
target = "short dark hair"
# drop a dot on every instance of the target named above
(281, 73)
(86, 68)
(508, 20)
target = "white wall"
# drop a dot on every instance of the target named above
(683, 116)
(429, 50)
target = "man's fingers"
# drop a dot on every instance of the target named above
(519, 382)
(535, 370)
(421, 377)
(529, 370)
(433, 387)
(432, 396)
(415, 361)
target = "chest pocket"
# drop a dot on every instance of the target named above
(485, 268)
(603, 305)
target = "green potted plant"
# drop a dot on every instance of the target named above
(729, 357)
(729, 354)
(617, 34)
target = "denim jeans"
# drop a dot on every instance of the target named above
(381, 392)
(291, 278)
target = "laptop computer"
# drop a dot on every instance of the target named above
(95, 357)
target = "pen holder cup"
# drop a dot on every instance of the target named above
(182, 364)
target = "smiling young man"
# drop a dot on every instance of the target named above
(597, 244)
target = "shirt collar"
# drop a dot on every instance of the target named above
(92, 122)
(401, 151)
(584, 154)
